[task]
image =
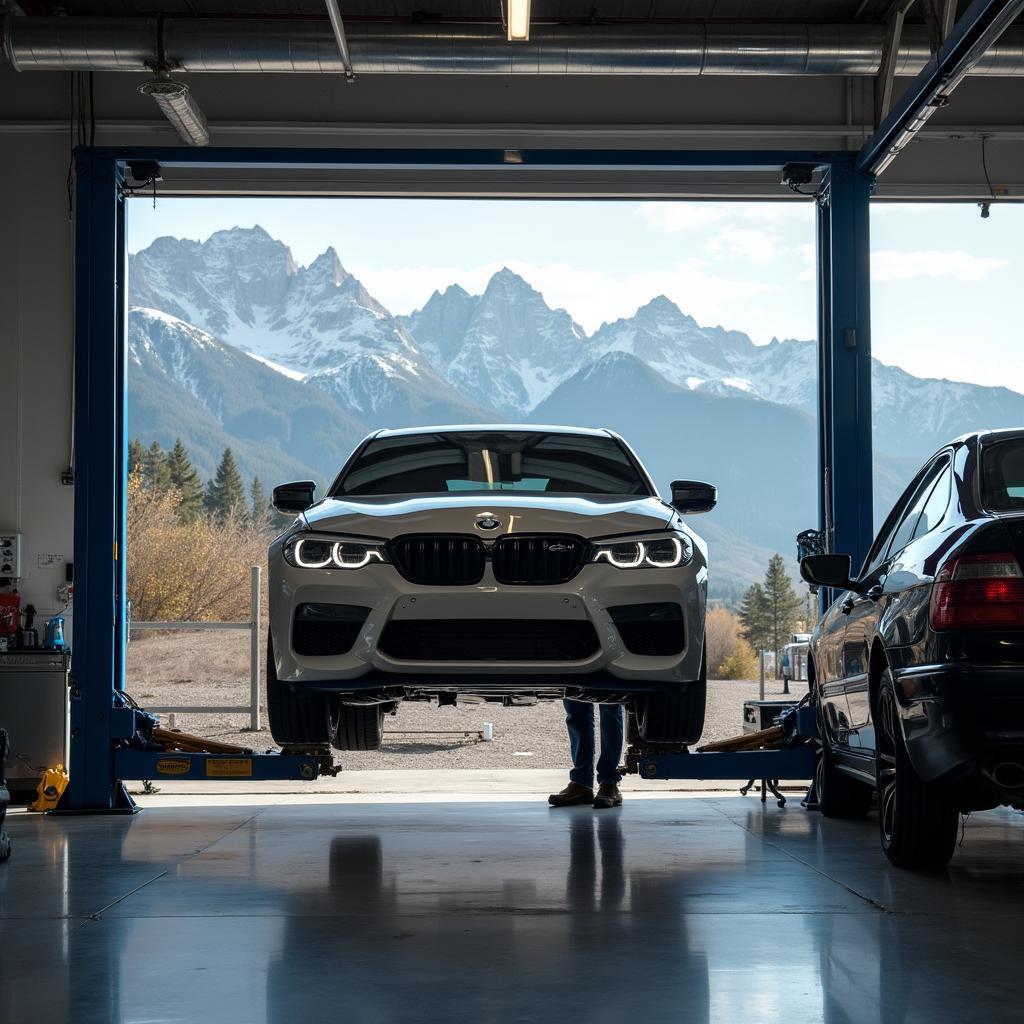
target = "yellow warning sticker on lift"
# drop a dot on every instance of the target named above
(173, 765)
(229, 768)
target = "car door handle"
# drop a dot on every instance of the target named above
(847, 606)
(875, 592)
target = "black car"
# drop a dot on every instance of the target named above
(918, 664)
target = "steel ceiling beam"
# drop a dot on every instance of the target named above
(887, 72)
(974, 34)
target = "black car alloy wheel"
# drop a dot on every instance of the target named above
(917, 820)
(886, 731)
(838, 795)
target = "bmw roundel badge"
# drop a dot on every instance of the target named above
(487, 521)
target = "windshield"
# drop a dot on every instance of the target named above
(1002, 475)
(482, 462)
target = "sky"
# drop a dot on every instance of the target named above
(946, 296)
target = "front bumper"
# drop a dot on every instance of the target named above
(382, 589)
(958, 719)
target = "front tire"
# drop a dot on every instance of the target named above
(838, 795)
(296, 719)
(917, 820)
(676, 718)
(355, 726)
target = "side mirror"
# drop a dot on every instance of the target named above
(294, 497)
(692, 496)
(827, 571)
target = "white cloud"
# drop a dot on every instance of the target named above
(807, 253)
(744, 243)
(592, 297)
(674, 217)
(893, 265)
(687, 215)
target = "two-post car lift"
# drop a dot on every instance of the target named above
(106, 727)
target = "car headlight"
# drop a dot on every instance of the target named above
(305, 552)
(657, 552)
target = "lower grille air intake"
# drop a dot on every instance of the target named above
(651, 629)
(323, 630)
(489, 640)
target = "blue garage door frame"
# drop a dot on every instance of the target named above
(101, 715)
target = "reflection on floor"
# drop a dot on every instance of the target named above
(700, 909)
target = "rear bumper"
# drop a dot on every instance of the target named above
(958, 719)
(584, 599)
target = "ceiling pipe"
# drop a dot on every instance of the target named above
(280, 45)
(338, 28)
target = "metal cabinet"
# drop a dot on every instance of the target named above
(34, 709)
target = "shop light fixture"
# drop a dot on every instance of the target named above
(518, 21)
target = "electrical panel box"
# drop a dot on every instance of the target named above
(10, 556)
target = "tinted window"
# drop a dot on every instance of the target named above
(892, 521)
(1002, 475)
(488, 461)
(934, 511)
(905, 532)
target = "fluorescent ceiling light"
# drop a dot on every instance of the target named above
(518, 20)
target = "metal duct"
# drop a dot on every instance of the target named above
(180, 108)
(240, 45)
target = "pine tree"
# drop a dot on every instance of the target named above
(156, 475)
(784, 605)
(185, 480)
(754, 617)
(136, 456)
(260, 513)
(226, 491)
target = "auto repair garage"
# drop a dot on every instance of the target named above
(164, 877)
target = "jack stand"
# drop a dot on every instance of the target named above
(766, 785)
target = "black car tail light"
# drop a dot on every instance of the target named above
(984, 591)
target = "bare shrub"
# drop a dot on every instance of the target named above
(740, 663)
(196, 571)
(723, 634)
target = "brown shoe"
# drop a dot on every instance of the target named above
(572, 796)
(608, 795)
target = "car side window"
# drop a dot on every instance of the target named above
(935, 508)
(892, 521)
(905, 532)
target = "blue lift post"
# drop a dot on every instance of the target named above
(102, 719)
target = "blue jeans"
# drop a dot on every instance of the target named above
(579, 720)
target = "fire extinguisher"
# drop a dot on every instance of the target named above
(10, 616)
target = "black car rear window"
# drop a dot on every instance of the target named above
(487, 461)
(1002, 475)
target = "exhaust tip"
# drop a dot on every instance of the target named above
(1008, 774)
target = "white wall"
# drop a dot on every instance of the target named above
(36, 309)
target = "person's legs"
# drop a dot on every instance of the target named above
(612, 735)
(579, 721)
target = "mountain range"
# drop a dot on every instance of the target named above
(232, 343)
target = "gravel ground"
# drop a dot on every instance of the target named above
(212, 668)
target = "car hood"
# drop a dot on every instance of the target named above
(585, 517)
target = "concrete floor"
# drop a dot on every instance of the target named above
(674, 908)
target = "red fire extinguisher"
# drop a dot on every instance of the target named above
(10, 614)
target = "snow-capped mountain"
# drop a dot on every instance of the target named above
(185, 383)
(234, 343)
(244, 287)
(506, 347)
